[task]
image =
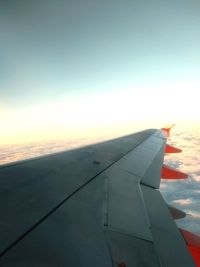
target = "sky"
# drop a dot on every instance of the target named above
(96, 68)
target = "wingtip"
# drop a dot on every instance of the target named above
(166, 129)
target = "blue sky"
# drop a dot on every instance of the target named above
(86, 51)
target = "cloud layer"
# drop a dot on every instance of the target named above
(12, 153)
(185, 195)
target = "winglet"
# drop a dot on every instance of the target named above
(193, 244)
(167, 129)
(171, 173)
(172, 149)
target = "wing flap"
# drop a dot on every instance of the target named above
(125, 206)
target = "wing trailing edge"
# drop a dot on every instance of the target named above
(167, 129)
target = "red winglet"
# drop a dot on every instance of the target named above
(172, 149)
(167, 129)
(170, 173)
(193, 244)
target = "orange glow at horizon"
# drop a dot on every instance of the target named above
(111, 114)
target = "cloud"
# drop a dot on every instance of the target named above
(194, 214)
(196, 177)
(183, 202)
(162, 186)
(12, 153)
(185, 194)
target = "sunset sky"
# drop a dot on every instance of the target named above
(80, 68)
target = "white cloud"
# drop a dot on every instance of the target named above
(183, 202)
(194, 214)
(196, 177)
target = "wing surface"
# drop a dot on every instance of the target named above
(94, 206)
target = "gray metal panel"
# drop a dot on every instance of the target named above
(126, 210)
(38, 190)
(153, 143)
(171, 253)
(131, 251)
(169, 242)
(160, 133)
(152, 175)
(135, 164)
(143, 151)
(145, 161)
(31, 189)
(72, 236)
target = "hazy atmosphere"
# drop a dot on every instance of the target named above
(79, 72)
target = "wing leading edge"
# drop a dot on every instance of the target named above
(95, 206)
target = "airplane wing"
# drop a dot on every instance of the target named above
(93, 206)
